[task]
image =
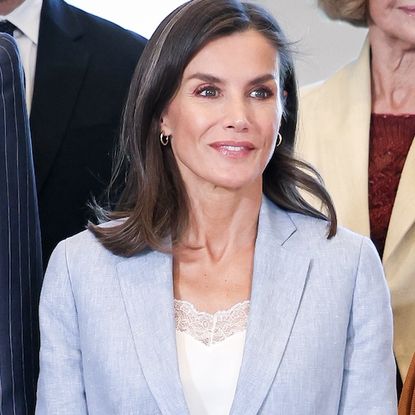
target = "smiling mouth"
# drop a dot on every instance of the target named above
(233, 150)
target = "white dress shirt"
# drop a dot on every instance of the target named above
(26, 18)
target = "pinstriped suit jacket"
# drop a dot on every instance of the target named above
(20, 252)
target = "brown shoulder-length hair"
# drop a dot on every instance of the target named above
(153, 201)
(351, 11)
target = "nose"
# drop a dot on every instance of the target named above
(236, 115)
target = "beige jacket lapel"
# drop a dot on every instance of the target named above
(399, 263)
(338, 145)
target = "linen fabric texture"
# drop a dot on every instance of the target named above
(318, 340)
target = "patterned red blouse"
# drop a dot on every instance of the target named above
(390, 139)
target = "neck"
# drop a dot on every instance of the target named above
(7, 6)
(392, 68)
(223, 220)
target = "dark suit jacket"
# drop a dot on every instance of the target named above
(20, 253)
(83, 70)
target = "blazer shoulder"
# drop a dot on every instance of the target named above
(79, 24)
(346, 255)
(300, 232)
(101, 29)
(83, 251)
(313, 232)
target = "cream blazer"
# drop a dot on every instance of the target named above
(334, 137)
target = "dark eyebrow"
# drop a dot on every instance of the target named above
(263, 78)
(215, 80)
(204, 77)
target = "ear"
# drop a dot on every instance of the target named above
(165, 124)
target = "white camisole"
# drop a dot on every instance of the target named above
(209, 350)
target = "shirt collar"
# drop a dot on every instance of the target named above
(26, 18)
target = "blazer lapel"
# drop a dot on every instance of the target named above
(345, 131)
(148, 299)
(278, 284)
(403, 213)
(60, 68)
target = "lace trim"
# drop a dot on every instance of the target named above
(210, 328)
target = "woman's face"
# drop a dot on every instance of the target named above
(226, 114)
(394, 19)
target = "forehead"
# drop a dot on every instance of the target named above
(243, 53)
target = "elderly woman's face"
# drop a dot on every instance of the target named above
(393, 19)
(226, 113)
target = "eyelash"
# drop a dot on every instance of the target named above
(264, 90)
(204, 88)
(199, 91)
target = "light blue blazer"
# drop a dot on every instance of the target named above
(319, 336)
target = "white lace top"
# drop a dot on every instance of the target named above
(210, 349)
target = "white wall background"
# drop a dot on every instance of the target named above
(323, 46)
(141, 16)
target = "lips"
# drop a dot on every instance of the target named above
(233, 149)
(410, 10)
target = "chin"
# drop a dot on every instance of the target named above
(236, 182)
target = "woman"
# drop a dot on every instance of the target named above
(357, 129)
(216, 289)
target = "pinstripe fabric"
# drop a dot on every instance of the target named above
(20, 252)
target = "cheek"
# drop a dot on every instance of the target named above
(271, 149)
(270, 132)
(270, 127)
(379, 11)
(186, 139)
(192, 123)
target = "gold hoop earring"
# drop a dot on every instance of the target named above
(279, 140)
(164, 139)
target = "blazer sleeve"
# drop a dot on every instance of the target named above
(60, 386)
(369, 378)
